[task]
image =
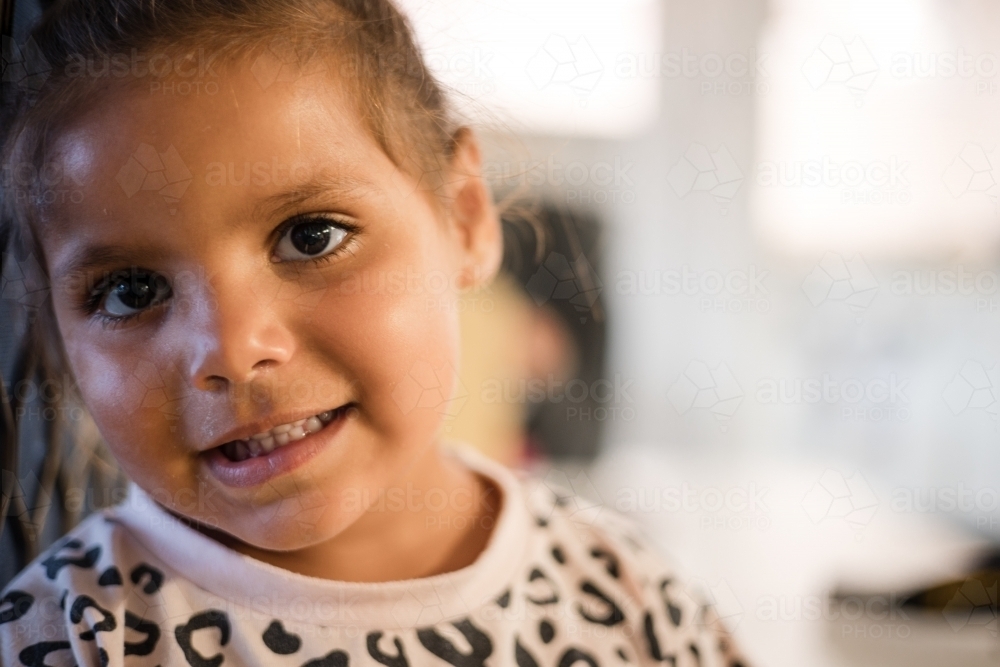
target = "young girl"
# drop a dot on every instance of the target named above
(262, 196)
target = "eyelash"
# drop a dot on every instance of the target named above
(92, 301)
(336, 220)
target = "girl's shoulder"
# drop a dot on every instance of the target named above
(74, 590)
(89, 551)
(606, 563)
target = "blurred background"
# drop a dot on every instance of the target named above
(751, 298)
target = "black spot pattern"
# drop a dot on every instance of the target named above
(546, 631)
(504, 599)
(111, 577)
(575, 655)
(331, 659)
(613, 616)
(440, 646)
(522, 656)
(673, 611)
(139, 624)
(155, 577)
(279, 640)
(549, 593)
(653, 643)
(213, 618)
(622, 654)
(610, 560)
(86, 560)
(19, 601)
(398, 660)
(34, 655)
(106, 624)
(558, 555)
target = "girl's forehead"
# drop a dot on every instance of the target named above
(305, 119)
(255, 140)
(150, 165)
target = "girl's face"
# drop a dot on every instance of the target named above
(245, 261)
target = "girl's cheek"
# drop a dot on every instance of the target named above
(395, 341)
(125, 392)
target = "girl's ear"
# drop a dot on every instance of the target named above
(473, 213)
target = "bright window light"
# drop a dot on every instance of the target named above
(544, 67)
(879, 132)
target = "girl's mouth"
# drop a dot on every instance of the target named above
(265, 456)
(261, 444)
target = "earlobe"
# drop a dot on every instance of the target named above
(473, 213)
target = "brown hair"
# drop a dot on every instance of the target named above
(83, 49)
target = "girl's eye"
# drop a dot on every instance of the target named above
(309, 240)
(127, 293)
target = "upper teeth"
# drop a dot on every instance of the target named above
(266, 441)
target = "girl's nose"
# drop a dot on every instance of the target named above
(241, 338)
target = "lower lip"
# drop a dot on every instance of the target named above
(259, 470)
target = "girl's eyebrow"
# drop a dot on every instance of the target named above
(100, 256)
(326, 186)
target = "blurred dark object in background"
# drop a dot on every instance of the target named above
(552, 253)
(16, 19)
